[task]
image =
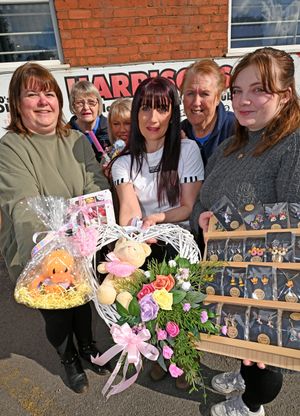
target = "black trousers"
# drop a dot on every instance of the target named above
(262, 386)
(63, 324)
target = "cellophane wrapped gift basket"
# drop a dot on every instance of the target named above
(59, 274)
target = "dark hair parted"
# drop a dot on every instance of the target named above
(277, 72)
(158, 93)
(32, 76)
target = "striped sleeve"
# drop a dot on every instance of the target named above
(191, 167)
(121, 170)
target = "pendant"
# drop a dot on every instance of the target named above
(235, 292)
(263, 339)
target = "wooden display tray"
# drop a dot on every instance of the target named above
(269, 354)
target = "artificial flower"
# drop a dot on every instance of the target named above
(175, 371)
(167, 352)
(172, 329)
(164, 282)
(186, 307)
(172, 263)
(185, 286)
(146, 289)
(224, 330)
(161, 334)
(203, 317)
(149, 308)
(163, 298)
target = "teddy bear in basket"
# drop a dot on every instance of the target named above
(123, 262)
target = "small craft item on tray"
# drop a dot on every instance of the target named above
(290, 329)
(280, 247)
(234, 281)
(276, 215)
(255, 249)
(227, 214)
(216, 250)
(288, 285)
(253, 216)
(294, 214)
(260, 283)
(263, 326)
(235, 250)
(235, 318)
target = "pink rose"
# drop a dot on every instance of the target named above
(172, 329)
(161, 334)
(203, 317)
(146, 289)
(167, 352)
(175, 371)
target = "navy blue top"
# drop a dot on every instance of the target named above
(100, 131)
(224, 128)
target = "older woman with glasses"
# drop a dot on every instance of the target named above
(86, 105)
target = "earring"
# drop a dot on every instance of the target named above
(265, 280)
(232, 281)
(254, 280)
(241, 282)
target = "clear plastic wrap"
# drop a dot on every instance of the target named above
(58, 276)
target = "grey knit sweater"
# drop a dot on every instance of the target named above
(271, 177)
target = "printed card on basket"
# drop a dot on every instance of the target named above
(98, 207)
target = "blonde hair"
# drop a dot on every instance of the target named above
(120, 110)
(205, 67)
(84, 88)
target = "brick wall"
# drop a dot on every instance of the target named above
(95, 32)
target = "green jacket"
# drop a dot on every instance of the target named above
(33, 166)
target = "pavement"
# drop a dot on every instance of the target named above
(32, 379)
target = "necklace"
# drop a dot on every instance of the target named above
(290, 295)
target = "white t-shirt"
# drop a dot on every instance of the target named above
(190, 169)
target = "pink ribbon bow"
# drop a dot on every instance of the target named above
(133, 346)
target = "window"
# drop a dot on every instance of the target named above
(28, 31)
(258, 23)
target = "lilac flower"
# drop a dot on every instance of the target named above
(186, 307)
(203, 317)
(149, 308)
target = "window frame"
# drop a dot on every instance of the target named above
(241, 51)
(6, 67)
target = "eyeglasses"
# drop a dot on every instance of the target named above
(81, 103)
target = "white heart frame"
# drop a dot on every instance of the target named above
(179, 238)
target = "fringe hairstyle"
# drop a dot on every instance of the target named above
(159, 93)
(277, 72)
(32, 76)
(120, 109)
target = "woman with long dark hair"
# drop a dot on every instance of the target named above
(158, 176)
